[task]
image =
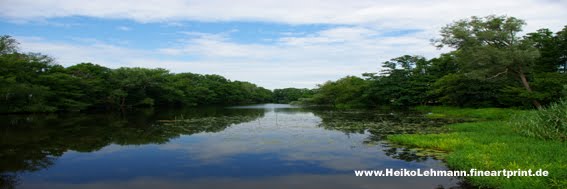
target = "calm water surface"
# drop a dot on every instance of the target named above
(261, 146)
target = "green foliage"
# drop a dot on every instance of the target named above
(93, 80)
(18, 97)
(459, 90)
(344, 93)
(561, 42)
(468, 113)
(494, 145)
(553, 50)
(138, 86)
(491, 66)
(21, 88)
(34, 83)
(404, 81)
(489, 48)
(548, 86)
(548, 123)
(8, 45)
(288, 95)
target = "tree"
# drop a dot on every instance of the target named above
(343, 93)
(8, 45)
(288, 95)
(404, 81)
(33, 82)
(489, 47)
(93, 82)
(459, 90)
(137, 86)
(553, 50)
(561, 41)
(20, 88)
(546, 43)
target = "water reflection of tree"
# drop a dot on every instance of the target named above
(380, 124)
(32, 142)
(404, 154)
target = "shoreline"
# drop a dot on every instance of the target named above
(490, 143)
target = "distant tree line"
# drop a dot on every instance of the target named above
(490, 66)
(32, 82)
(289, 95)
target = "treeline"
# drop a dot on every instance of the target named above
(32, 82)
(289, 95)
(490, 66)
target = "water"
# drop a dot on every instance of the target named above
(261, 146)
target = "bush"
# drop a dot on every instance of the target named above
(548, 123)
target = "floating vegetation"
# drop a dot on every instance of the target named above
(381, 124)
(413, 154)
(207, 124)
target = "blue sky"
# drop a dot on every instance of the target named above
(274, 44)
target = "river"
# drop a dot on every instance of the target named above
(259, 146)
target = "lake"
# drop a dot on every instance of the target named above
(259, 146)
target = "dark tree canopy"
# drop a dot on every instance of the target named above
(35, 83)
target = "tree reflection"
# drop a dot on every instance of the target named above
(32, 142)
(404, 154)
(380, 124)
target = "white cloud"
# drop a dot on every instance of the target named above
(296, 59)
(68, 54)
(290, 62)
(302, 61)
(384, 13)
(257, 137)
(123, 28)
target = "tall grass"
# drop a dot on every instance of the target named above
(549, 123)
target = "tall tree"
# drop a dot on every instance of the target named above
(489, 47)
(404, 81)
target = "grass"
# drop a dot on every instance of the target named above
(492, 144)
(468, 113)
(547, 124)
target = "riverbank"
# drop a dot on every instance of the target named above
(490, 143)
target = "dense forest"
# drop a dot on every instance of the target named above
(490, 66)
(32, 82)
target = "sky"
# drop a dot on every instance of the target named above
(274, 44)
